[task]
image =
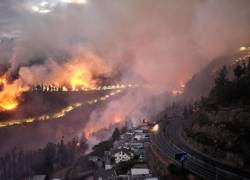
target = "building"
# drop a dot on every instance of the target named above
(102, 174)
(39, 177)
(108, 164)
(122, 155)
(139, 173)
(136, 145)
(151, 178)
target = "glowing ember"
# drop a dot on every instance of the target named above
(3, 80)
(88, 133)
(117, 119)
(182, 85)
(176, 92)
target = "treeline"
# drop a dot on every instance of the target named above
(99, 149)
(228, 92)
(219, 124)
(18, 164)
(234, 91)
(47, 88)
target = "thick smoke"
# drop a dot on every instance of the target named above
(161, 43)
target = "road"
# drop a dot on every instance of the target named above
(170, 143)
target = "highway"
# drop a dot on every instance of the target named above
(170, 143)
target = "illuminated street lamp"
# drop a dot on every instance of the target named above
(243, 48)
(155, 128)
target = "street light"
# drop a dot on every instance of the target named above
(155, 128)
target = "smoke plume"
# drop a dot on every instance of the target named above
(160, 43)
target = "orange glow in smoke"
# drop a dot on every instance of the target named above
(117, 119)
(89, 132)
(175, 92)
(182, 85)
(3, 80)
(179, 90)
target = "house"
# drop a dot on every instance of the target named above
(97, 160)
(137, 145)
(102, 174)
(108, 164)
(151, 178)
(139, 171)
(39, 177)
(122, 155)
(138, 131)
(138, 137)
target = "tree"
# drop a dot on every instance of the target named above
(62, 153)
(238, 71)
(221, 90)
(116, 135)
(49, 154)
(100, 148)
(221, 79)
(124, 129)
(185, 112)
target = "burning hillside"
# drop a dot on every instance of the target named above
(9, 94)
(77, 73)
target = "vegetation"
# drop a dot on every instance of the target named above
(18, 164)
(220, 124)
(124, 167)
(103, 146)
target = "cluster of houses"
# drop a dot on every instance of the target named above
(128, 151)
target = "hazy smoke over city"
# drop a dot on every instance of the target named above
(161, 43)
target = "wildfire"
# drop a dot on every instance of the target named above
(8, 101)
(180, 90)
(80, 79)
(9, 94)
(89, 132)
(79, 75)
(117, 119)
(58, 115)
(182, 85)
(3, 80)
(175, 92)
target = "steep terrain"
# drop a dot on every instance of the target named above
(219, 125)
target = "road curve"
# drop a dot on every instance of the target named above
(170, 143)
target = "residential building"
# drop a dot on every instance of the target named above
(122, 155)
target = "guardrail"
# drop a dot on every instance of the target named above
(194, 164)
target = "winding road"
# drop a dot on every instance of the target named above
(170, 143)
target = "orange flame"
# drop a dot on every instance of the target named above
(80, 74)
(89, 132)
(8, 101)
(117, 119)
(95, 127)
(9, 94)
(80, 78)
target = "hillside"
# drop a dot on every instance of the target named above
(219, 125)
(202, 82)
